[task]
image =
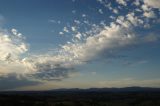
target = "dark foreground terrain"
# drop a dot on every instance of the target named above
(76, 97)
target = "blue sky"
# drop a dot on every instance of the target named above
(49, 44)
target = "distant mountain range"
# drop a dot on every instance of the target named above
(126, 89)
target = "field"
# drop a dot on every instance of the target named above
(80, 98)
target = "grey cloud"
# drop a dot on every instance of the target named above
(12, 81)
(49, 71)
(151, 38)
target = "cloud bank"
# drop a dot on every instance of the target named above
(13, 80)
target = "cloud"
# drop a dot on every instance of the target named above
(57, 67)
(149, 14)
(84, 47)
(145, 7)
(136, 2)
(108, 39)
(115, 11)
(90, 46)
(152, 3)
(50, 71)
(132, 64)
(100, 11)
(130, 82)
(151, 38)
(134, 19)
(84, 15)
(49, 67)
(65, 29)
(12, 45)
(61, 33)
(122, 2)
(73, 28)
(78, 36)
(13, 80)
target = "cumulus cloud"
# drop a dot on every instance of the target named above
(136, 2)
(145, 7)
(149, 7)
(122, 2)
(12, 45)
(153, 3)
(134, 19)
(149, 14)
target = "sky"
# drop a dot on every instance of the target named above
(52, 44)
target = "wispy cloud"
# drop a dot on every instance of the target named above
(130, 82)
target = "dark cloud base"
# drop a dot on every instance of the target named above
(12, 81)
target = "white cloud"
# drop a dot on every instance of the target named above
(84, 15)
(122, 2)
(12, 46)
(110, 37)
(136, 2)
(115, 11)
(152, 3)
(148, 7)
(65, 29)
(121, 20)
(77, 21)
(52, 21)
(78, 36)
(73, 28)
(100, 11)
(112, 17)
(149, 14)
(145, 7)
(61, 33)
(134, 19)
